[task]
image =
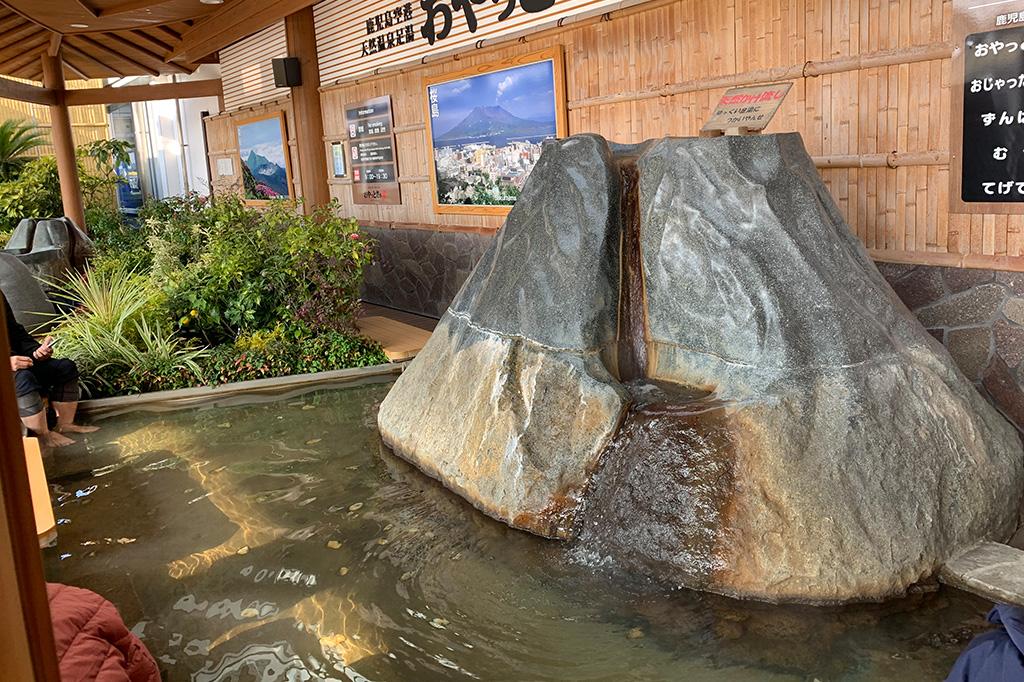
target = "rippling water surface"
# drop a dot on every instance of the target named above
(280, 541)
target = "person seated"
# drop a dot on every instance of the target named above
(38, 373)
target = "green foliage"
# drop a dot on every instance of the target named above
(17, 140)
(227, 268)
(206, 293)
(105, 331)
(118, 243)
(35, 191)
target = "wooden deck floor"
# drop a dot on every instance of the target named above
(401, 334)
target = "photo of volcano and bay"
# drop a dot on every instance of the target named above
(262, 148)
(487, 131)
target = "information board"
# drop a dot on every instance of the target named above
(372, 152)
(986, 121)
(993, 117)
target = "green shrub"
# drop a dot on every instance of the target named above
(34, 192)
(118, 244)
(105, 331)
(227, 268)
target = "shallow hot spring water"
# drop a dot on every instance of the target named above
(280, 541)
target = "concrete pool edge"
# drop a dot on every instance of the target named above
(256, 390)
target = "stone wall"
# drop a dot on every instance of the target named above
(420, 271)
(979, 316)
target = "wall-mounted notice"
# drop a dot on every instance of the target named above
(746, 110)
(372, 149)
(987, 119)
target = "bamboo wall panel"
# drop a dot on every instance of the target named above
(246, 70)
(88, 123)
(870, 97)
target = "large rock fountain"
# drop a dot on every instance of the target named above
(678, 355)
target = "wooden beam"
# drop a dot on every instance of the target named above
(74, 69)
(210, 87)
(129, 45)
(96, 45)
(27, 57)
(55, 40)
(161, 48)
(23, 92)
(235, 20)
(125, 7)
(88, 58)
(63, 142)
(309, 121)
(19, 32)
(92, 11)
(11, 21)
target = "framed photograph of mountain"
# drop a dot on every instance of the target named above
(266, 164)
(486, 127)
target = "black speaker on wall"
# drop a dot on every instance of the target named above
(287, 73)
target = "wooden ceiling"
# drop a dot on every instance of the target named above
(97, 38)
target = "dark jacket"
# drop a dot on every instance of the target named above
(996, 655)
(21, 341)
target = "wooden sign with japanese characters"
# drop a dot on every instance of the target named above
(987, 148)
(746, 110)
(362, 36)
(372, 152)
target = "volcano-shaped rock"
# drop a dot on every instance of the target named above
(794, 433)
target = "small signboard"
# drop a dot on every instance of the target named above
(987, 114)
(338, 159)
(746, 110)
(372, 152)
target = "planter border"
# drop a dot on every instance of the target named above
(256, 390)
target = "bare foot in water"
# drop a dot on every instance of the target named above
(56, 440)
(76, 428)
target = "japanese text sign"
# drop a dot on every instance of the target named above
(747, 109)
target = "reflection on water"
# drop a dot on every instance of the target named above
(281, 542)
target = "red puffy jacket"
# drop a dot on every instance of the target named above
(93, 643)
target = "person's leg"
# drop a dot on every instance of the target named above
(30, 409)
(61, 378)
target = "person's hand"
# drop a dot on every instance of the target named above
(20, 362)
(45, 350)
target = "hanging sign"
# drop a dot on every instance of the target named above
(987, 116)
(358, 36)
(372, 152)
(746, 110)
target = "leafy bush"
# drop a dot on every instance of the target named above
(206, 292)
(227, 268)
(17, 140)
(118, 243)
(106, 333)
(35, 191)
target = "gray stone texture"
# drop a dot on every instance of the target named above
(851, 426)
(31, 307)
(509, 403)
(859, 457)
(50, 247)
(420, 271)
(971, 305)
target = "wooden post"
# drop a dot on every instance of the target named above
(309, 122)
(25, 627)
(63, 143)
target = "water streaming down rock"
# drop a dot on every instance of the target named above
(839, 456)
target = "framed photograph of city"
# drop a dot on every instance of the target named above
(263, 152)
(486, 127)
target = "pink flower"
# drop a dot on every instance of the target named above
(353, 236)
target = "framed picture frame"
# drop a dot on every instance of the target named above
(485, 127)
(337, 159)
(265, 159)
